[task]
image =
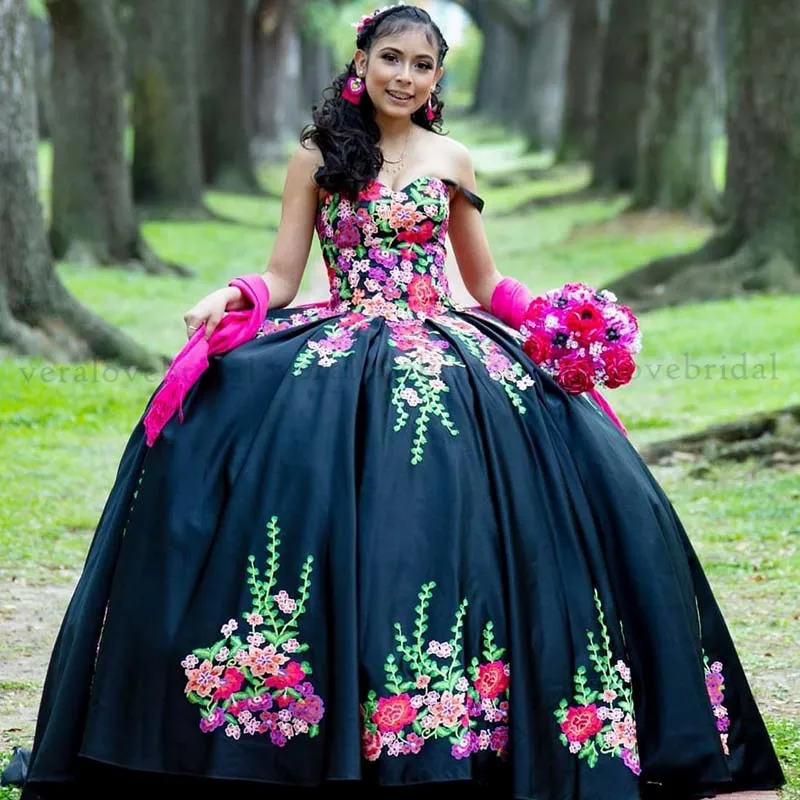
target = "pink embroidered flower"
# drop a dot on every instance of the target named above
(285, 603)
(233, 731)
(492, 679)
(422, 295)
(371, 745)
(229, 627)
(581, 723)
(255, 619)
(232, 681)
(394, 713)
(290, 675)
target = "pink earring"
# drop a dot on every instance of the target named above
(430, 114)
(353, 89)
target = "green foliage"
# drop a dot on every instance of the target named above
(37, 8)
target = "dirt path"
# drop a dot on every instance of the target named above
(30, 616)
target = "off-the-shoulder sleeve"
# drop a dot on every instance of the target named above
(471, 196)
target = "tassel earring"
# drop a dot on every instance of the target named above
(430, 114)
(353, 89)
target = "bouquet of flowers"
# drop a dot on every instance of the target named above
(582, 337)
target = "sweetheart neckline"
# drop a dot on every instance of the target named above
(402, 189)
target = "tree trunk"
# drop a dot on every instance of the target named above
(622, 96)
(759, 248)
(317, 69)
(583, 82)
(676, 129)
(93, 218)
(37, 314)
(548, 53)
(278, 84)
(224, 98)
(498, 56)
(43, 59)
(167, 162)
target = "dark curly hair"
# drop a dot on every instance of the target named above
(346, 134)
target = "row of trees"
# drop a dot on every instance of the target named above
(208, 87)
(642, 90)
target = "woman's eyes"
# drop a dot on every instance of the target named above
(390, 57)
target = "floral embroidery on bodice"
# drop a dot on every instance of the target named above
(385, 252)
(385, 256)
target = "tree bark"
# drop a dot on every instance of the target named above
(167, 161)
(583, 82)
(93, 218)
(677, 125)
(37, 314)
(622, 96)
(225, 116)
(317, 68)
(759, 248)
(546, 75)
(43, 59)
(278, 82)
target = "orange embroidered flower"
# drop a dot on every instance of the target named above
(203, 680)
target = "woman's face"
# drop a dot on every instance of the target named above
(400, 72)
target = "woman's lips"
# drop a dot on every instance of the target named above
(400, 98)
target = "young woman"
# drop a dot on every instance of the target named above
(381, 546)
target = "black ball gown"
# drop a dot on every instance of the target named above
(384, 547)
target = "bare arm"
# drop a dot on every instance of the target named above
(289, 255)
(468, 237)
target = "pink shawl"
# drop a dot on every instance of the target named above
(235, 328)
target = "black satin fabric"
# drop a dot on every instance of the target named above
(534, 518)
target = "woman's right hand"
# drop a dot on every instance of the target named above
(211, 309)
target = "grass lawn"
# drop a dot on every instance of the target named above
(63, 431)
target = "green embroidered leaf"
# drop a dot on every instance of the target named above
(313, 730)
(564, 740)
(441, 685)
(231, 719)
(196, 699)
(204, 654)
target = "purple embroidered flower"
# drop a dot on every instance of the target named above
(630, 759)
(377, 274)
(468, 745)
(277, 738)
(215, 720)
(310, 709)
(723, 723)
(347, 234)
(384, 257)
(474, 708)
(498, 740)
(261, 703)
(306, 688)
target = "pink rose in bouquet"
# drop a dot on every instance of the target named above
(582, 337)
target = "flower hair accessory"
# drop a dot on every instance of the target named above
(367, 18)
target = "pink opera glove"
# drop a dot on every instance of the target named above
(510, 301)
(235, 328)
(606, 406)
